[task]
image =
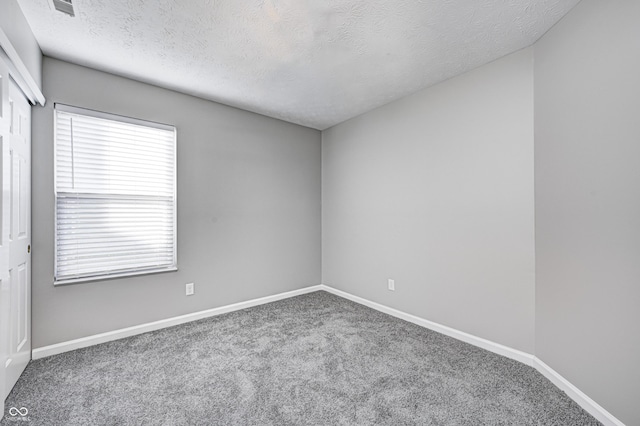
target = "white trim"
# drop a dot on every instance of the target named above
(105, 277)
(24, 79)
(588, 404)
(109, 336)
(497, 348)
(113, 117)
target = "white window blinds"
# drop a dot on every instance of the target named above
(115, 188)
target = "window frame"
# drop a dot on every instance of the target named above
(123, 119)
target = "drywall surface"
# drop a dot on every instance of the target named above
(436, 191)
(15, 26)
(248, 208)
(315, 63)
(587, 165)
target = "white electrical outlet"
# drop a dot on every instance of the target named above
(391, 284)
(190, 289)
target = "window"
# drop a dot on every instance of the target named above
(115, 196)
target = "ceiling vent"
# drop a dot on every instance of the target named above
(64, 6)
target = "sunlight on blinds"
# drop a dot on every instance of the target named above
(115, 195)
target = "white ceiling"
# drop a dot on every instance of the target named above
(315, 63)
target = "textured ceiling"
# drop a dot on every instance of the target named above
(315, 63)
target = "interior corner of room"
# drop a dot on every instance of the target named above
(499, 207)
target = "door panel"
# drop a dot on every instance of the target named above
(23, 308)
(18, 200)
(19, 236)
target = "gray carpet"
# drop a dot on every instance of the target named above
(315, 359)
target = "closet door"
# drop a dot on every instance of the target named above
(15, 273)
(19, 235)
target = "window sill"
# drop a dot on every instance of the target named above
(113, 276)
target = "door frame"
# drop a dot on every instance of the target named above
(4, 214)
(19, 71)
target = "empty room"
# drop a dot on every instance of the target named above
(281, 212)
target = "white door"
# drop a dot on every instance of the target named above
(4, 230)
(15, 291)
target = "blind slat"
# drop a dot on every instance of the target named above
(113, 258)
(89, 272)
(97, 247)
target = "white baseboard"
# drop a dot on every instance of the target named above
(563, 384)
(588, 404)
(503, 350)
(96, 339)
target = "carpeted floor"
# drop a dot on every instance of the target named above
(315, 359)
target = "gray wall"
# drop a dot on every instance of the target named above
(587, 163)
(436, 191)
(15, 26)
(248, 208)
